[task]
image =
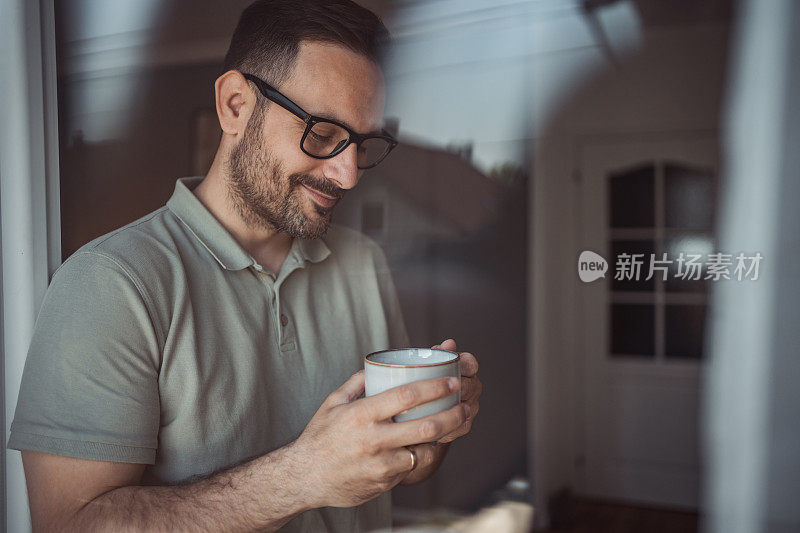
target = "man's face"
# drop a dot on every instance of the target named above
(271, 182)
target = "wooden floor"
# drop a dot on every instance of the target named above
(588, 516)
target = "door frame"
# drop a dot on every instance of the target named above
(30, 241)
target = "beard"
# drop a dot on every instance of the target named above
(265, 196)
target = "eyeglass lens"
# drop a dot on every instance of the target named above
(326, 138)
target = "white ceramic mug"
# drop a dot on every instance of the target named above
(391, 368)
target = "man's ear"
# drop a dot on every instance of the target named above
(235, 102)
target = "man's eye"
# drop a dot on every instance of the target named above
(318, 137)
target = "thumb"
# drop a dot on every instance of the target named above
(449, 344)
(349, 391)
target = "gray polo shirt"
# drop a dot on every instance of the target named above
(166, 343)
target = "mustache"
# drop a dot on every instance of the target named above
(322, 185)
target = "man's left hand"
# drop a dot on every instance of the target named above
(471, 388)
(429, 456)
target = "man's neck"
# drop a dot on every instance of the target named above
(267, 246)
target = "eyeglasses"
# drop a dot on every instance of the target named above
(324, 138)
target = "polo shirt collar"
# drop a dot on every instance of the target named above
(216, 239)
(313, 250)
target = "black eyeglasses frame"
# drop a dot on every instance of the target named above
(271, 93)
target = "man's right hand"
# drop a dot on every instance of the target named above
(351, 451)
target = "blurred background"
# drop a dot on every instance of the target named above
(530, 130)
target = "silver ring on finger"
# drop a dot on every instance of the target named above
(413, 458)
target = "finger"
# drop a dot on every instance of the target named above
(469, 365)
(398, 399)
(471, 388)
(453, 435)
(427, 429)
(448, 344)
(463, 429)
(426, 455)
(474, 407)
(457, 433)
(401, 462)
(349, 391)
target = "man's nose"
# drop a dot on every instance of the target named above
(343, 168)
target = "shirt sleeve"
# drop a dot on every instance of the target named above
(90, 384)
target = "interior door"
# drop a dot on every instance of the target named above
(643, 338)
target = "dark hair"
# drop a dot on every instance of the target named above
(267, 38)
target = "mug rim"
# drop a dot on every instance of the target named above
(394, 365)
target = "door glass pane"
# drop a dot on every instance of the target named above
(685, 325)
(689, 197)
(631, 201)
(688, 253)
(632, 330)
(639, 252)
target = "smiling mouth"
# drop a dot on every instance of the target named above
(321, 199)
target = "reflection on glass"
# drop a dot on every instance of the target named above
(372, 219)
(689, 197)
(449, 205)
(631, 198)
(632, 330)
(684, 331)
(640, 252)
(688, 252)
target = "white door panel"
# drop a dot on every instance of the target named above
(640, 411)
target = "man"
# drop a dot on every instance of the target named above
(197, 369)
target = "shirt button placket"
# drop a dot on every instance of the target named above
(268, 280)
(288, 341)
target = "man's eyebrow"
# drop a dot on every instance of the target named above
(328, 116)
